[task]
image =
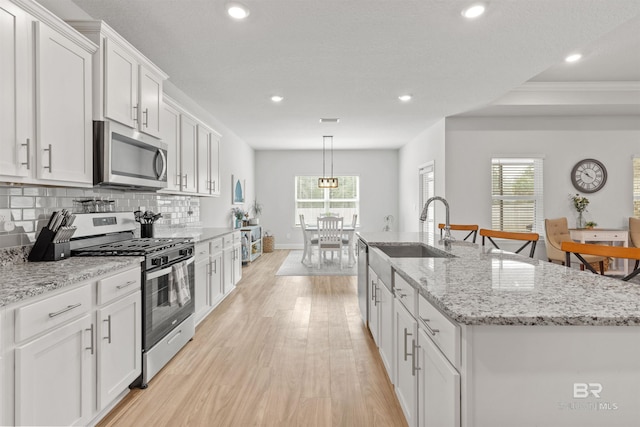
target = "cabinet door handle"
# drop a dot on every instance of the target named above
(129, 283)
(108, 337)
(406, 334)
(135, 113)
(49, 150)
(426, 323)
(185, 180)
(179, 180)
(90, 348)
(28, 162)
(145, 118)
(213, 185)
(64, 310)
(414, 367)
(215, 266)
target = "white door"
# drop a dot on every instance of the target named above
(188, 153)
(203, 160)
(385, 320)
(171, 136)
(406, 380)
(438, 386)
(214, 163)
(150, 102)
(215, 271)
(119, 344)
(374, 323)
(16, 138)
(202, 297)
(53, 381)
(121, 85)
(63, 108)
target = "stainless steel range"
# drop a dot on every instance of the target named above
(166, 325)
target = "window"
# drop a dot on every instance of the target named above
(516, 195)
(636, 187)
(312, 201)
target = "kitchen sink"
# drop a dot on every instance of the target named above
(412, 250)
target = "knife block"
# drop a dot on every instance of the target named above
(45, 250)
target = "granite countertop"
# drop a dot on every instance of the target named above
(198, 234)
(486, 286)
(28, 279)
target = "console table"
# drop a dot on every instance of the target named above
(251, 242)
(585, 235)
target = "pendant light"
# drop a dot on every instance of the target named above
(325, 182)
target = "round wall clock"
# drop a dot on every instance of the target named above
(589, 175)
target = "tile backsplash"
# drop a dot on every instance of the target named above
(29, 208)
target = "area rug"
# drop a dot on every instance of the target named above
(293, 267)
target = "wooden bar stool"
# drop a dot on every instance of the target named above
(580, 249)
(471, 228)
(528, 238)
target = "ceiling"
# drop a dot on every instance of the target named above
(351, 59)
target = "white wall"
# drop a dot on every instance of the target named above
(276, 171)
(428, 146)
(236, 157)
(472, 142)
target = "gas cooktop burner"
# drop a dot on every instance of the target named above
(141, 246)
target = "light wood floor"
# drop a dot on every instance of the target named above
(279, 351)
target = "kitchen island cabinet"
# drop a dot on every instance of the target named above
(509, 340)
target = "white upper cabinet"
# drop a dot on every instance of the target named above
(45, 98)
(127, 86)
(188, 153)
(170, 117)
(208, 163)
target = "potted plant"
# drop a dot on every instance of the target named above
(238, 214)
(580, 203)
(590, 225)
(257, 210)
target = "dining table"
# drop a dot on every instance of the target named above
(349, 231)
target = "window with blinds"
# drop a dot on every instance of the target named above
(312, 201)
(516, 194)
(636, 187)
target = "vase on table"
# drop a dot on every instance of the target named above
(580, 221)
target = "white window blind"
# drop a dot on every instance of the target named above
(636, 187)
(312, 201)
(516, 193)
(427, 190)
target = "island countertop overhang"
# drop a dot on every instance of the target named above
(485, 286)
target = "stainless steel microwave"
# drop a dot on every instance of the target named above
(126, 158)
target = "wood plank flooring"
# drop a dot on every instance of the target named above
(279, 351)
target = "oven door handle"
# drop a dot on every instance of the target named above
(165, 271)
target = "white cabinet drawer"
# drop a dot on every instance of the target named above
(202, 251)
(228, 240)
(216, 246)
(441, 330)
(405, 293)
(118, 285)
(55, 310)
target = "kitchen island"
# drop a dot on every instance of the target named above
(507, 340)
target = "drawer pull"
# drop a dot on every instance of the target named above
(108, 337)
(64, 310)
(90, 348)
(129, 283)
(431, 331)
(414, 368)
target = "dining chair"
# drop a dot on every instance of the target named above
(347, 238)
(634, 234)
(471, 228)
(556, 232)
(309, 240)
(606, 251)
(527, 238)
(329, 237)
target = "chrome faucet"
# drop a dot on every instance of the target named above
(447, 226)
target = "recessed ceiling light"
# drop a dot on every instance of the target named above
(473, 11)
(405, 98)
(237, 10)
(277, 98)
(573, 57)
(329, 120)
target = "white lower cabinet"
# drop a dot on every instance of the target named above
(374, 310)
(75, 351)
(438, 386)
(406, 329)
(215, 274)
(386, 329)
(119, 346)
(202, 299)
(237, 260)
(53, 376)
